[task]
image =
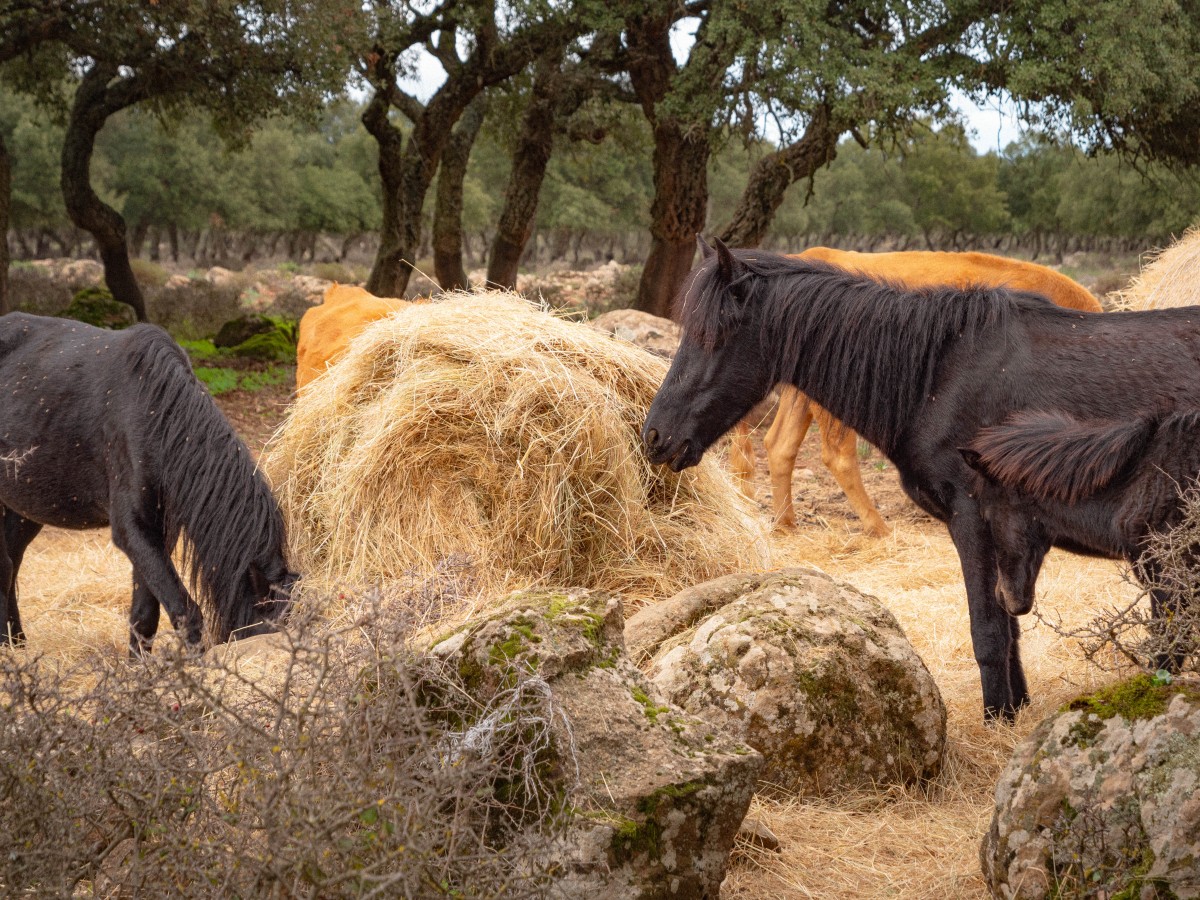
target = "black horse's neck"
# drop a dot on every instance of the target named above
(867, 351)
(212, 491)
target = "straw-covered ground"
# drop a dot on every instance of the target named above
(914, 843)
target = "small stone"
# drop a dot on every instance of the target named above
(755, 833)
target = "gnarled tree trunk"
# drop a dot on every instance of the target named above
(386, 273)
(448, 203)
(531, 155)
(771, 176)
(89, 111)
(5, 203)
(677, 214)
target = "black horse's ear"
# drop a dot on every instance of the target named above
(973, 459)
(725, 262)
(702, 245)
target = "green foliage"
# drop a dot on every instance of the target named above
(201, 349)
(218, 379)
(221, 379)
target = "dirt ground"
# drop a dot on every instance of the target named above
(916, 843)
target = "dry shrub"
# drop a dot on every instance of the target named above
(1172, 277)
(1127, 635)
(482, 426)
(343, 771)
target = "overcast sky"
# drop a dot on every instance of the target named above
(992, 126)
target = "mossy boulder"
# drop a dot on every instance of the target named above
(243, 328)
(96, 306)
(814, 674)
(274, 346)
(654, 796)
(1103, 799)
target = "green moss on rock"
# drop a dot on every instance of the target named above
(1140, 697)
(96, 306)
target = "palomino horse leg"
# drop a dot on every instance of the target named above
(992, 628)
(17, 534)
(154, 574)
(741, 457)
(839, 452)
(782, 442)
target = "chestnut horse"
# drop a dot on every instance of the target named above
(327, 330)
(839, 444)
(918, 374)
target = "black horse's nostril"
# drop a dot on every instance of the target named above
(651, 438)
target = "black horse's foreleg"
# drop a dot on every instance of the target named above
(1016, 672)
(992, 628)
(1168, 629)
(155, 577)
(143, 618)
(17, 534)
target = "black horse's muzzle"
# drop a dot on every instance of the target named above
(679, 455)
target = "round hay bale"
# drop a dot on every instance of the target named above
(481, 425)
(1170, 279)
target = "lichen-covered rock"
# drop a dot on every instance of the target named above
(652, 333)
(81, 273)
(1103, 800)
(812, 673)
(655, 796)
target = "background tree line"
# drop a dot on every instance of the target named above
(221, 131)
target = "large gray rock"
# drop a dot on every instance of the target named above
(653, 333)
(655, 795)
(812, 673)
(1103, 800)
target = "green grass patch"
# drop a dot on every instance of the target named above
(221, 380)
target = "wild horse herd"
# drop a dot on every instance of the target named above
(1019, 423)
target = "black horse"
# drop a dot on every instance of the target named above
(918, 374)
(112, 428)
(1097, 487)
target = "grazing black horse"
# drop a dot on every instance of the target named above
(112, 428)
(918, 374)
(1102, 488)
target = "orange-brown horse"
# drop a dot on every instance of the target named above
(327, 330)
(912, 269)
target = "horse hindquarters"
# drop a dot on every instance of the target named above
(16, 535)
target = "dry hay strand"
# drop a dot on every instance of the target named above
(482, 426)
(1170, 279)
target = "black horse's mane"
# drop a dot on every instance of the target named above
(824, 322)
(212, 491)
(1054, 456)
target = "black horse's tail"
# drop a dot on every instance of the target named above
(1054, 456)
(211, 490)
